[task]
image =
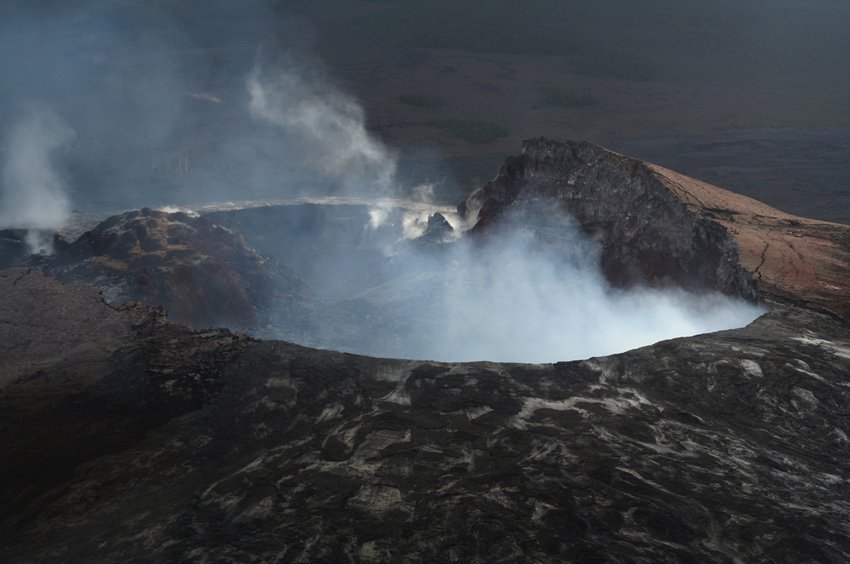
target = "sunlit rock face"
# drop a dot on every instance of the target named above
(648, 233)
(659, 227)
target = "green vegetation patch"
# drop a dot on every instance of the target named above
(420, 101)
(564, 99)
(477, 132)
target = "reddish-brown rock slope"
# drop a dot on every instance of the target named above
(660, 227)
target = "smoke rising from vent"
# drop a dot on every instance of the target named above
(532, 291)
(178, 126)
(33, 194)
(327, 124)
(516, 301)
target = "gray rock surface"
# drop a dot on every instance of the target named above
(209, 447)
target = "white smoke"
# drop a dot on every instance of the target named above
(414, 224)
(33, 194)
(378, 216)
(423, 193)
(330, 126)
(514, 300)
(508, 300)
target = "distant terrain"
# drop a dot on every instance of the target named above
(454, 86)
(660, 80)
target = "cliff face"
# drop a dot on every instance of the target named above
(658, 227)
(791, 258)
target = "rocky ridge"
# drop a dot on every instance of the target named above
(660, 227)
(201, 272)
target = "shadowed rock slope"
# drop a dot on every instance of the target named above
(139, 439)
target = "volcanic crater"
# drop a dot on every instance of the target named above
(181, 442)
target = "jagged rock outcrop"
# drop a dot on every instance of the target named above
(660, 227)
(202, 273)
(437, 230)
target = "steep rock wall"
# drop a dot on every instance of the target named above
(648, 234)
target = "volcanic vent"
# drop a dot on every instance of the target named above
(574, 251)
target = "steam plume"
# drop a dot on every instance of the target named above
(330, 126)
(33, 194)
(299, 134)
(517, 302)
(516, 298)
(513, 299)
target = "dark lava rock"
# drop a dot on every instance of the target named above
(138, 439)
(438, 229)
(13, 248)
(202, 273)
(124, 436)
